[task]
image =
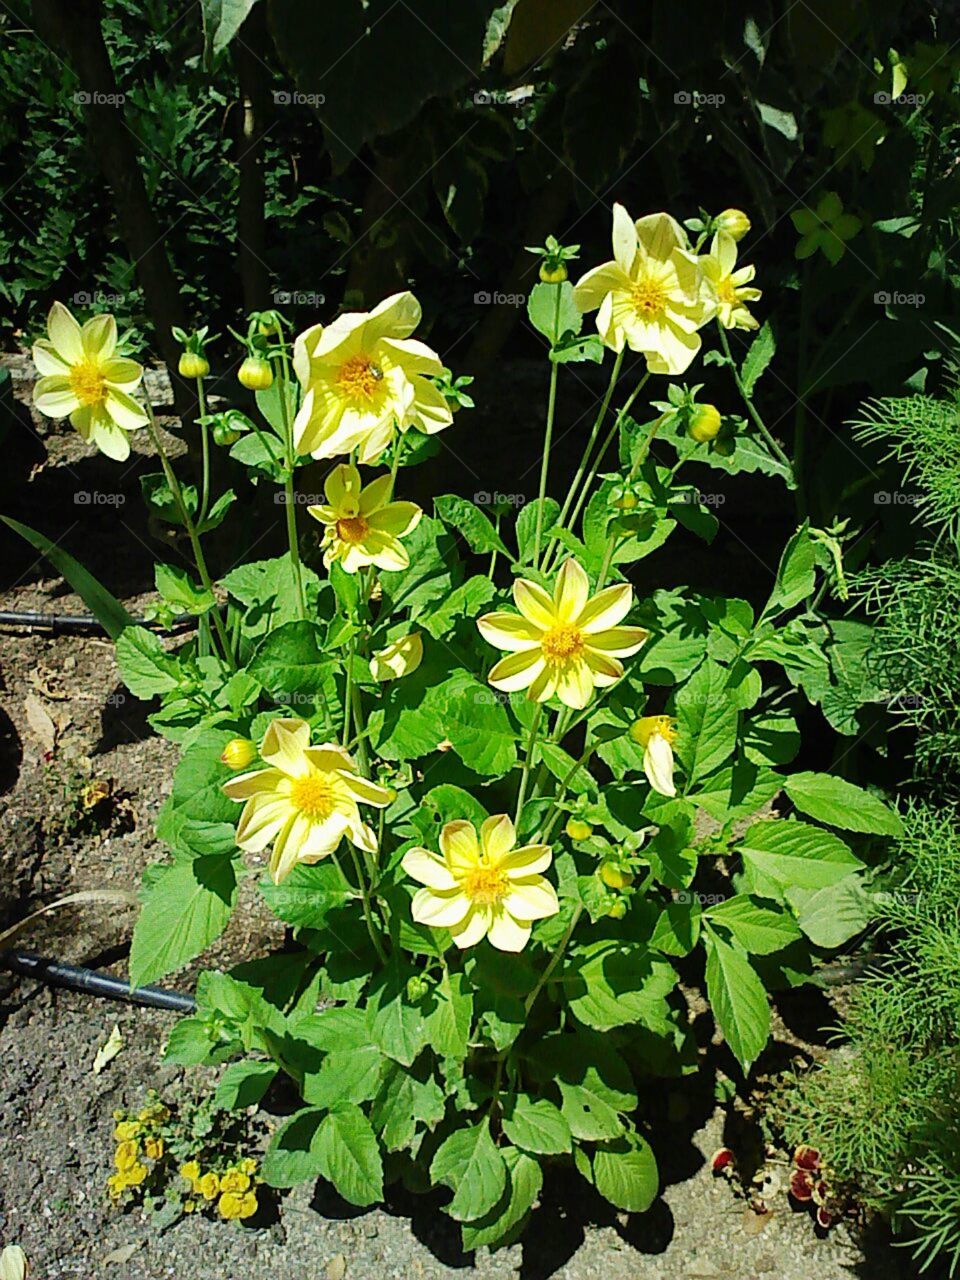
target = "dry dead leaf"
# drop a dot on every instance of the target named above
(108, 1051)
(119, 1256)
(39, 723)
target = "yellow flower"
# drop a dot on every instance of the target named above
(650, 297)
(126, 1154)
(364, 378)
(304, 802)
(189, 1206)
(734, 222)
(153, 1148)
(127, 1130)
(565, 644)
(234, 1205)
(730, 286)
(190, 1170)
(401, 658)
(248, 1165)
(116, 1185)
(235, 1180)
(133, 1176)
(361, 525)
(81, 376)
(209, 1186)
(657, 734)
(484, 888)
(239, 753)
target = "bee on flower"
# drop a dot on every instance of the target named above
(650, 297)
(482, 887)
(82, 377)
(364, 379)
(361, 526)
(305, 801)
(566, 644)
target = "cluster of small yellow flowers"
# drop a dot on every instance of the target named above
(138, 1140)
(233, 1190)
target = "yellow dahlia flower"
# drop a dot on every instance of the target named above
(650, 297)
(565, 644)
(361, 525)
(304, 802)
(731, 286)
(81, 376)
(657, 734)
(398, 659)
(482, 888)
(364, 378)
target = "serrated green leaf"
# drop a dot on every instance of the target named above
(184, 909)
(504, 1223)
(471, 523)
(738, 1000)
(707, 719)
(625, 1173)
(536, 1125)
(762, 350)
(469, 1164)
(842, 804)
(758, 929)
(348, 1156)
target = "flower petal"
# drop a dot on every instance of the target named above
(258, 782)
(624, 239)
(124, 410)
(342, 489)
(109, 438)
(658, 765)
(396, 518)
(65, 334)
(428, 869)
(458, 844)
(571, 591)
(618, 642)
(497, 837)
(575, 684)
(439, 910)
(284, 744)
(54, 396)
(121, 373)
(395, 317)
(528, 860)
(534, 603)
(49, 364)
(517, 670)
(509, 631)
(505, 933)
(473, 928)
(606, 609)
(262, 818)
(99, 337)
(596, 285)
(376, 494)
(533, 898)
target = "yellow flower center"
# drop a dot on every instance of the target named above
(315, 796)
(648, 727)
(353, 530)
(649, 297)
(359, 378)
(562, 643)
(727, 290)
(484, 885)
(87, 384)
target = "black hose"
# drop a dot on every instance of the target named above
(80, 621)
(93, 982)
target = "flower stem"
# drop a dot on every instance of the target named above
(367, 912)
(205, 447)
(174, 486)
(748, 401)
(548, 434)
(290, 498)
(554, 959)
(525, 776)
(594, 432)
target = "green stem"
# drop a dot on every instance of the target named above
(493, 553)
(367, 912)
(525, 776)
(748, 401)
(348, 694)
(612, 535)
(562, 791)
(554, 959)
(290, 500)
(594, 432)
(548, 435)
(205, 447)
(174, 486)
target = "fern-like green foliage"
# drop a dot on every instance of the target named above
(885, 1107)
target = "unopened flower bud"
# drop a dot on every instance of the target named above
(193, 364)
(615, 876)
(734, 222)
(239, 753)
(704, 422)
(577, 829)
(255, 374)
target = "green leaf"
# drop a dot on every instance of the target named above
(180, 592)
(348, 1075)
(145, 665)
(738, 1000)
(471, 523)
(465, 601)
(185, 907)
(795, 574)
(469, 1164)
(243, 1084)
(527, 526)
(504, 1223)
(707, 720)
(293, 1155)
(308, 894)
(403, 1102)
(105, 607)
(432, 573)
(553, 312)
(625, 1173)
(788, 855)
(291, 660)
(594, 1081)
(831, 916)
(758, 929)
(611, 984)
(771, 739)
(198, 785)
(762, 350)
(842, 804)
(222, 19)
(349, 1157)
(448, 1026)
(536, 1125)
(397, 1026)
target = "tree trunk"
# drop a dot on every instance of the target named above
(74, 27)
(251, 231)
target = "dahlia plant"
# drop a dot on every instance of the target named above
(500, 794)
